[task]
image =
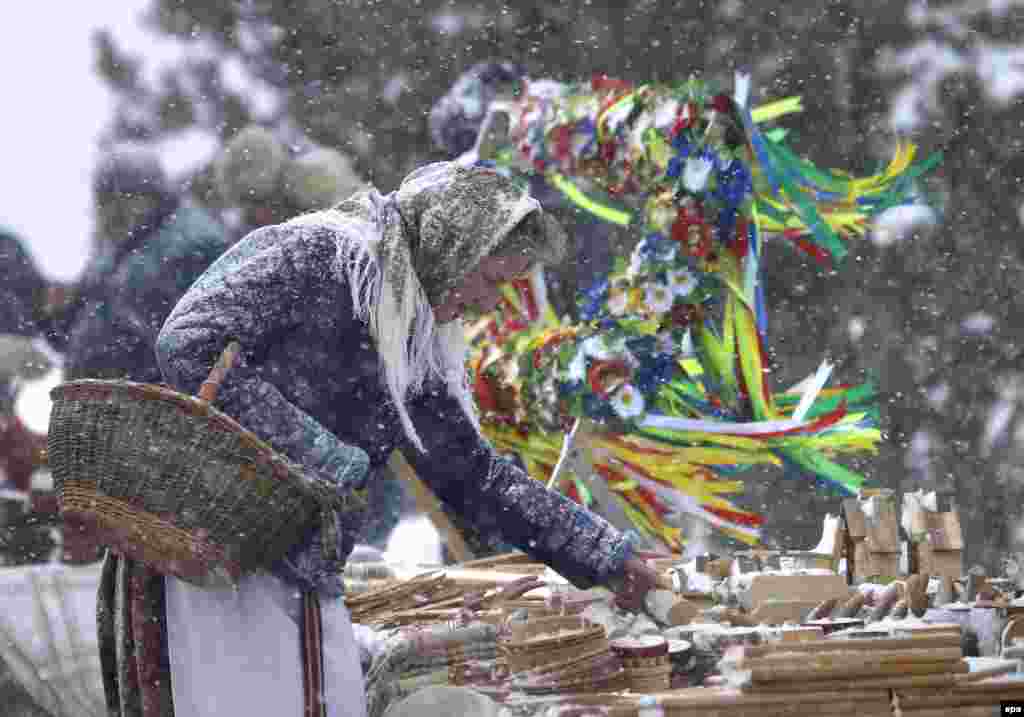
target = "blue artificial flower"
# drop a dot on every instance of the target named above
(655, 371)
(593, 299)
(725, 227)
(595, 408)
(587, 127)
(675, 165)
(734, 184)
(657, 247)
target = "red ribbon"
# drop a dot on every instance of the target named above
(681, 232)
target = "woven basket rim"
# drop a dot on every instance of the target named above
(188, 404)
(530, 630)
(570, 665)
(197, 549)
(197, 568)
(541, 645)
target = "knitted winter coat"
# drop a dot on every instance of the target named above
(309, 383)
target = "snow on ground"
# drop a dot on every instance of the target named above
(48, 636)
(34, 404)
(414, 541)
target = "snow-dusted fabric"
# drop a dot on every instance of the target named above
(309, 379)
(403, 253)
(238, 651)
(456, 121)
(126, 298)
(126, 301)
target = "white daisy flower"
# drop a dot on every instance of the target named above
(577, 370)
(696, 173)
(628, 402)
(665, 114)
(595, 347)
(658, 298)
(682, 282)
(662, 216)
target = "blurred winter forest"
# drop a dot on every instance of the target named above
(928, 307)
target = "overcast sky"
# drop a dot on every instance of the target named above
(55, 107)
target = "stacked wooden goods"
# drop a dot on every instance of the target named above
(387, 604)
(561, 654)
(915, 660)
(917, 675)
(819, 677)
(646, 661)
(443, 596)
(872, 529)
(976, 693)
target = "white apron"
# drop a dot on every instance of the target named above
(238, 651)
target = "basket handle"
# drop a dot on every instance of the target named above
(208, 391)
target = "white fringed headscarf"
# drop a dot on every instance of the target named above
(402, 253)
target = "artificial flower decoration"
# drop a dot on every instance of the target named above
(658, 299)
(628, 402)
(668, 361)
(682, 282)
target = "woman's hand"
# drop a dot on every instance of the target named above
(637, 580)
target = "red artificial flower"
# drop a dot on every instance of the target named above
(562, 141)
(483, 390)
(692, 233)
(687, 116)
(597, 373)
(742, 244)
(683, 314)
(607, 152)
(604, 83)
(721, 103)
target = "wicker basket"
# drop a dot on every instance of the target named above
(551, 640)
(166, 479)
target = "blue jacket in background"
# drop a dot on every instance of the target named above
(112, 334)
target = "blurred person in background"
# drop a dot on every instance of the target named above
(24, 537)
(22, 287)
(21, 450)
(262, 180)
(148, 248)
